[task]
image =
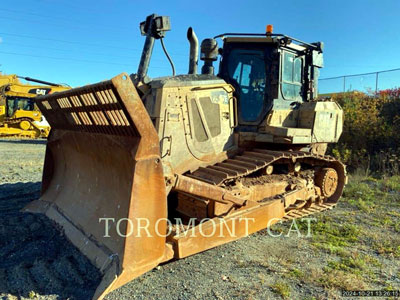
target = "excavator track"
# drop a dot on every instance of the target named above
(16, 121)
(258, 162)
(33, 132)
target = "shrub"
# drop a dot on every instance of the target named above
(370, 138)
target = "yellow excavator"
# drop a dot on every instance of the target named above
(141, 171)
(19, 115)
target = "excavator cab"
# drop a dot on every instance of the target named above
(14, 104)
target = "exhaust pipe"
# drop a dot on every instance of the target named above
(146, 56)
(146, 29)
(194, 51)
(154, 27)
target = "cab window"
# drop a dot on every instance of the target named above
(17, 103)
(246, 69)
(291, 76)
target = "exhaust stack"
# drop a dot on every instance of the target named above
(153, 28)
(194, 51)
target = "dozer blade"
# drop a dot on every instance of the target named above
(102, 161)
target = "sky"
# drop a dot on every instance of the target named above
(81, 42)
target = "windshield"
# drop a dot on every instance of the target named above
(246, 70)
(15, 103)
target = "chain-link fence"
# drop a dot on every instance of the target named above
(369, 83)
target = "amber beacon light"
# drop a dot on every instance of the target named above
(269, 29)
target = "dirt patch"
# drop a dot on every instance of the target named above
(36, 261)
(22, 160)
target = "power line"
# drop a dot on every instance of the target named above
(68, 20)
(41, 16)
(68, 25)
(72, 59)
(47, 23)
(28, 13)
(63, 58)
(64, 50)
(74, 42)
(80, 51)
(65, 41)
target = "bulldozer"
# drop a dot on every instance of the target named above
(19, 115)
(142, 171)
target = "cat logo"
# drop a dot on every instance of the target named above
(41, 92)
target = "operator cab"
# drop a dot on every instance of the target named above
(268, 72)
(19, 103)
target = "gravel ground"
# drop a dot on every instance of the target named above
(36, 261)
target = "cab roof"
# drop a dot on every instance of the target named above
(269, 38)
(260, 40)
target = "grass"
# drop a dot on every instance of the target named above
(391, 184)
(388, 248)
(335, 234)
(354, 263)
(296, 273)
(341, 280)
(360, 239)
(282, 289)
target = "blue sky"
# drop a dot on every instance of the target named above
(80, 42)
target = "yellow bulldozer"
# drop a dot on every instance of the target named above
(19, 115)
(141, 171)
